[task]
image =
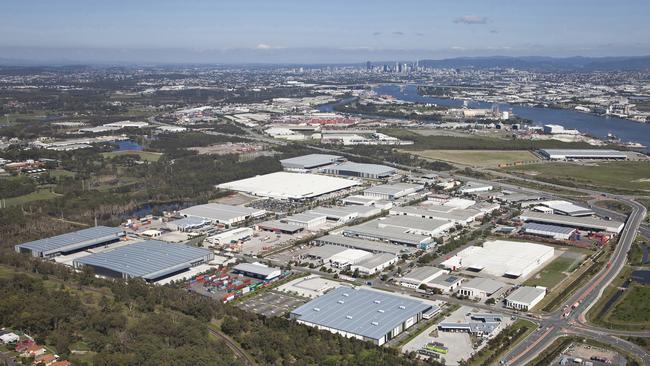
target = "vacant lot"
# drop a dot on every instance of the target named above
(144, 155)
(633, 308)
(40, 194)
(553, 273)
(480, 158)
(613, 176)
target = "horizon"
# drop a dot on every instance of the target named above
(284, 32)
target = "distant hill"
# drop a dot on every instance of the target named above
(544, 63)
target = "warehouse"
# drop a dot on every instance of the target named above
(502, 258)
(230, 236)
(187, 223)
(290, 186)
(308, 221)
(151, 260)
(475, 187)
(392, 191)
(363, 314)
(567, 208)
(306, 163)
(586, 223)
(416, 225)
(323, 253)
(346, 213)
(351, 169)
(359, 201)
(348, 257)
(278, 226)
(222, 214)
(480, 325)
(258, 270)
(525, 298)
(456, 216)
(445, 283)
(421, 276)
(480, 288)
(587, 154)
(374, 264)
(391, 234)
(549, 231)
(367, 245)
(71, 242)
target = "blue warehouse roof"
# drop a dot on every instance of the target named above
(148, 259)
(74, 240)
(368, 313)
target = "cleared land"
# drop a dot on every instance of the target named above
(38, 195)
(612, 176)
(144, 155)
(553, 273)
(480, 158)
(633, 307)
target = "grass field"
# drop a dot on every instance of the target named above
(612, 176)
(39, 195)
(614, 206)
(552, 274)
(633, 307)
(144, 155)
(480, 158)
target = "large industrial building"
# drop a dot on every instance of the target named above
(374, 264)
(419, 276)
(392, 191)
(392, 234)
(373, 246)
(218, 213)
(71, 242)
(502, 258)
(151, 260)
(258, 270)
(363, 314)
(351, 169)
(587, 154)
(548, 231)
(525, 297)
(586, 223)
(290, 186)
(567, 208)
(455, 216)
(480, 288)
(306, 163)
(416, 225)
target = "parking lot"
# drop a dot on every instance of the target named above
(271, 303)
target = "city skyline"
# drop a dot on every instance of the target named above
(287, 31)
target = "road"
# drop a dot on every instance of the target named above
(555, 325)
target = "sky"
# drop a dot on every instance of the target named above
(253, 31)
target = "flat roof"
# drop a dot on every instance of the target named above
(73, 240)
(525, 294)
(369, 245)
(187, 222)
(414, 223)
(286, 185)
(484, 284)
(361, 168)
(567, 207)
(305, 217)
(310, 161)
(376, 260)
(279, 225)
(420, 274)
(325, 251)
(371, 314)
(256, 268)
(220, 212)
(149, 259)
(392, 189)
(549, 228)
(445, 280)
(455, 215)
(388, 233)
(584, 222)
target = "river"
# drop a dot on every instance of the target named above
(597, 126)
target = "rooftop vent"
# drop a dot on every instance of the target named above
(349, 316)
(316, 309)
(402, 307)
(375, 323)
(377, 301)
(380, 311)
(346, 294)
(341, 302)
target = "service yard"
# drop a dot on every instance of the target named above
(271, 303)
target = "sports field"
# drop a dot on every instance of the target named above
(480, 158)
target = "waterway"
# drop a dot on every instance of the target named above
(597, 126)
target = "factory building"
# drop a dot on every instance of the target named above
(363, 314)
(455, 216)
(351, 169)
(218, 213)
(308, 221)
(567, 208)
(374, 264)
(525, 298)
(392, 191)
(71, 242)
(416, 225)
(373, 246)
(586, 154)
(480, 325)
(151, 260)
(187, 223)
(502, 258)
(548, 231)
(258, 270)
(307, 163)
(446, 283)
(585, 223)
(230, 236)
(475, 187)
(419, 276)
(390, 234)
(290, 186)
(480, 288)
(278, 226)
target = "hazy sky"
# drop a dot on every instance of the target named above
(319, 31)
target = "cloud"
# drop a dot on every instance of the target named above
(376, 34)
(263, 46)
(398, 33)
(471, 19)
